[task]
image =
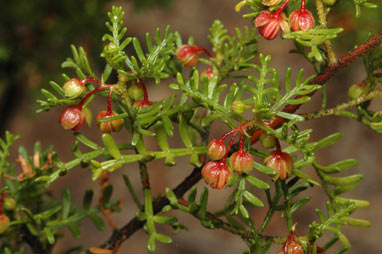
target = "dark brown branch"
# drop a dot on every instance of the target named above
(118, 236)
(134, 225)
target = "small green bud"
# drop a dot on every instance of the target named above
(268, 141)
(239, 107)
(111, 48)
(9, 203)
(73, 88)
(135, 91)
(357, 90)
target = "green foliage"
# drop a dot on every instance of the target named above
(239, 73)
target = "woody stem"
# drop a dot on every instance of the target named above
(109, 109)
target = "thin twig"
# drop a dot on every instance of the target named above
(338, 110)
(322, 19)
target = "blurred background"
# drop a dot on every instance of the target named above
(35, 37)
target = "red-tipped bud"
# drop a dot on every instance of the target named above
(72, 118)
(4, 223)
(301, 19)
(73, 88)
(209, 74)
(241, 162)
(268, 141)
(281, 162)
(357, 90)
(188, 55)
(293, 248)
(269, 24)
(216, 174)
(109, 126)
(239, 107)
(135, 91)
(143, 104)
(9, 203)
(216, 149)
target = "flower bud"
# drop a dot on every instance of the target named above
(111, 48)
(109, 126)
(188, 55)
(9, 203)
(239, 107)
(135, 91)
(216, 149)
(73, 88)
(271, 2)
(241, 161)
(281, 162)
(72, 118)
(269, 24)
(357, 90)
(267, 140)
(209, 74)
(301, 19)
(293, 248)
(216, 174)
(4, 223)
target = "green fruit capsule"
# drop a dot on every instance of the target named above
(9, 203)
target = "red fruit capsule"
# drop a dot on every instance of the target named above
(109, 126)
(301, 20)
(281, 162)
(241, 162)
(216, 174)
(269, 24)
(188, 55)
(72, 118)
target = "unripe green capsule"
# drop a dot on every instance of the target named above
(268, 141)
(9, 203)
